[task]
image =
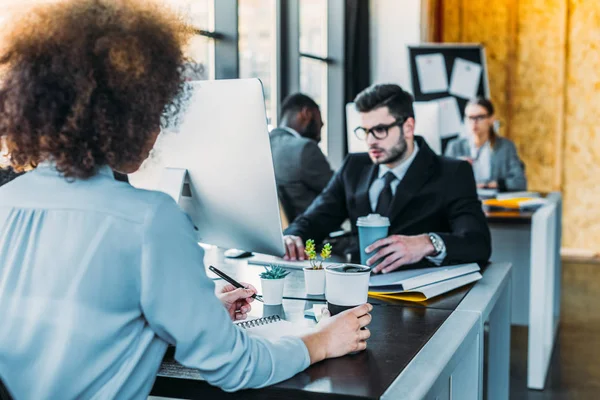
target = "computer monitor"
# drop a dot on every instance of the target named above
(427, 125)
(219, 167)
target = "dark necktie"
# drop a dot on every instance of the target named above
(385, 198)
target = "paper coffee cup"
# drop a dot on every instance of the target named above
(370, 229)
(346, 286)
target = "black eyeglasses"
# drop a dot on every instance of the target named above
(379, 132)
(477, 118)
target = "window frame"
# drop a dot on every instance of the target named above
(289, 69)
(287, 61)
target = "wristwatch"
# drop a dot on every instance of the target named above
(438, 244)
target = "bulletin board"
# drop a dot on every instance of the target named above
(450, 74)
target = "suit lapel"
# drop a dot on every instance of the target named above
(367, 176)
(416, 176)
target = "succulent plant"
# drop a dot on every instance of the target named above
(311, 253)
(274, 272)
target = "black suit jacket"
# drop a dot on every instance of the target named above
(437, 194)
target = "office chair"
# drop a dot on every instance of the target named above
(284, 220)
(121, 177)
(286, 204)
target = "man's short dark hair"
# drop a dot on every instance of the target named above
(397, 100)
(294, 103)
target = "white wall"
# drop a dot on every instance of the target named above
(394, 24)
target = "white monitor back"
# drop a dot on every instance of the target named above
(427, 125)
(223, 143)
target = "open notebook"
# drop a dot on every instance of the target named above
(273, 327)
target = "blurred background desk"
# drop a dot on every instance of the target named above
(530, 241)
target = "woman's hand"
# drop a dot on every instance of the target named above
(237, 301)
(467, 159)
(339, 335)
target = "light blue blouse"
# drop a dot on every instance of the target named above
(97, 278)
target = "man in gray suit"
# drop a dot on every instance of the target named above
(301, 169)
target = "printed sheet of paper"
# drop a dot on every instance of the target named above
(355, 145)
(465, 78)
(450, 119)
(431, 70)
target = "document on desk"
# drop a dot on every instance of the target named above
(431, 70)
(424, 283)
(427, 292)
(520, 203)
(465, 79)
(487, 193)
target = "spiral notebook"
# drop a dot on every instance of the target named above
(273, 327)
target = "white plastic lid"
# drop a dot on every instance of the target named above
(373, 220)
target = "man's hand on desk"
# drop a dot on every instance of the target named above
(397, 250)
(237, 301)
(467, 159)
(489, 185)
(294, 248)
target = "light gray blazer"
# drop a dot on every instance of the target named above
(507, 168)
(301, 170)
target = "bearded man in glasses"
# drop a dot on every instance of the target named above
(431, 201)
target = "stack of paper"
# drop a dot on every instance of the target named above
(517, 195)
(422, 284)
(517, 203)
(487, 193)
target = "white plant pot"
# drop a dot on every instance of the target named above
(272, 290)
(314, 280)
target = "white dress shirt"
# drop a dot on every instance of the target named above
(482, 162)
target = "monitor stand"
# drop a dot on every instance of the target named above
(236, 253)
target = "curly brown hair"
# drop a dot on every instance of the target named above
(84, 83)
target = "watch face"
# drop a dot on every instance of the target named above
(436, 244)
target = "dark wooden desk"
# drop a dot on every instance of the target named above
(415, 350)
(398, 333)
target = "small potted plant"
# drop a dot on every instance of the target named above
(314, 276)
(272, 281)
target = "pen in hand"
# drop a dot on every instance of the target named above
(233, 282)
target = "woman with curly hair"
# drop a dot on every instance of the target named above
(97, 278)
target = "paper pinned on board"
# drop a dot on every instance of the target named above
(355, 145)
(465, 78)
(431, 70)
(450, 119)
